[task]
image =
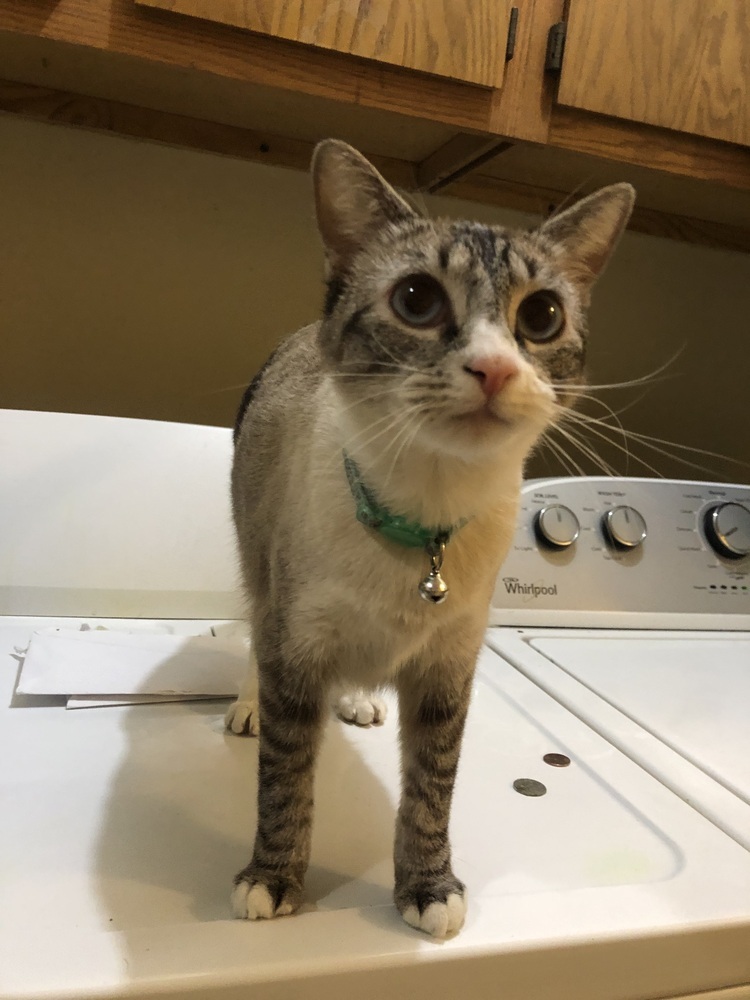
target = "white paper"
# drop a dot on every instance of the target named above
(67, 662)
(124, 700)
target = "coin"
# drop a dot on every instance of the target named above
(528, 786)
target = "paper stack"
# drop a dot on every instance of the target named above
(95, 668)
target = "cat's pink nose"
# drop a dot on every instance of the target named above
(492, 373)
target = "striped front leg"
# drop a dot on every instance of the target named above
(432, 711)
(291, 715)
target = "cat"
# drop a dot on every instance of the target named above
(379, 456)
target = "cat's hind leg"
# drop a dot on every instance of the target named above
(242, 715)
(359, 707)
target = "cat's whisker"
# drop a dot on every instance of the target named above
(350, 442)
(587, 449)
(565, 457)
(395, 419)
(587, 389)
(590, 422)
(597, 427)
(641, 380)
(390, 420)
(600, 402)
(650, 441)
(371, 375)
(406, 443)
(636, 458)
(397, 371)
(545, 443)
(371, 397)
(407, 432)
(584, 449)
(398, 363)
(567, 417)
(609, 409)
(682, 459)
(226, 388)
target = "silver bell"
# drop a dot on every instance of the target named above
(434, 588)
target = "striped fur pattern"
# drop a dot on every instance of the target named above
(429, 369)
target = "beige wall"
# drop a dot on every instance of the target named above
(146, 281)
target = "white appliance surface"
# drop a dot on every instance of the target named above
(107, 516)
(675, 687)
(648, 643)
(676, 577)
(122, 828)
(675, 703)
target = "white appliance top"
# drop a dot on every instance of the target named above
(660, 666)
(694, 693)
(112, 517)
(122, 828)
(634, 553)
(676, 703)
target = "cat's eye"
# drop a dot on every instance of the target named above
(540, 317)
(419, 300)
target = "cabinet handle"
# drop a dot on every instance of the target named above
(555, 47)
(510, 45)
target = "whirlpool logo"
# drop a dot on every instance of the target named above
(528, 590)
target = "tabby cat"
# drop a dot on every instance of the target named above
(378, 461)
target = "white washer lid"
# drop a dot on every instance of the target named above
(691, 693)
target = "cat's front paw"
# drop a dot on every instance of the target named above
(361, 708)
(438, 910)
(262, 897)
(242, 717)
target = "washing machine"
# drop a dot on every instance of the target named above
(600, 818)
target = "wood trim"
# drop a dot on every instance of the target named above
(119, 27)
(518, 111)
(455, 158)
(62, 108)
(542, 201)
(115, 118)
(522, 109)
(650, 146)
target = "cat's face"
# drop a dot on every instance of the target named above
(453, 336)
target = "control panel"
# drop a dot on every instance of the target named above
(627, 547)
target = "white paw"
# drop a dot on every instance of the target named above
(361, 708)
(438, 919)
(254, 902)
(242, 718)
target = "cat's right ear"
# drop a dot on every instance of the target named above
(352, 200)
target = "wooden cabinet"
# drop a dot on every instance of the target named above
(452, 38)
(679, 64)
(651, 91)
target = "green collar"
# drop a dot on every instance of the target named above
(393, 526)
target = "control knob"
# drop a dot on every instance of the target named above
(624, 527)
(556, 526)
(727, 528)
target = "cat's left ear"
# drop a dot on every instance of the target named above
(352, 200)
(589, 231)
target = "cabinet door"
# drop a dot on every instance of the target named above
(682, 64)
(453, 38)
